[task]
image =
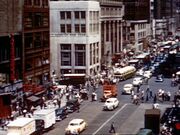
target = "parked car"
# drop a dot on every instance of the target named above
(147, 74)
(159, 78)
(111, 104)
(61, 113)
(140, 72)
(127, 89)
(72, 105)
(138, 81)
(145, 132)
(75, 126)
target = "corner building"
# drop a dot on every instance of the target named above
(75, 37)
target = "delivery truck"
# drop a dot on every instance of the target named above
(47, 115)
(109, 90)
(21, 126)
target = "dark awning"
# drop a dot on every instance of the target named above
(33, 98)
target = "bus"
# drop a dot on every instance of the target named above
(125, 72)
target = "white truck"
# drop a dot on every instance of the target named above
(21, 126)
(47, 115)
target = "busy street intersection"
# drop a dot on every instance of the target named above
(128, 117)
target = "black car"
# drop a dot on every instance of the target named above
(72, 105)
(159, 78)
(61, 113)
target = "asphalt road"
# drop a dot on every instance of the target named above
(128, 118)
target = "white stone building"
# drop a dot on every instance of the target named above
(75, 37)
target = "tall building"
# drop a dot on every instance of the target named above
(137, 9)
(137, 16)
(36, 48)
(112, 12)
(164, 17)
(75, 37)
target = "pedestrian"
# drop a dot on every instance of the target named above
(155, 98)
(92, 97)
(24, 112)
(78, 109)
(147, 98)
(148, 89)
(150, 94)
(32, 109)
(59, 102)
(138, 88)
(112, 128)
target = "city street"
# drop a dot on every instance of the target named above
(128, 118)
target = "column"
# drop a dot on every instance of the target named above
(109, 32)
(117, 27)
(114, 39)
(73, 57)
(104, 42)
(109, 39)
(121, 43)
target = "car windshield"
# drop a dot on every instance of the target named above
(127, 86)
(73, 124)
(109, 101)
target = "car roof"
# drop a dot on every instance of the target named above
(111, 99)
(139, 77)
(129, 84)
(76, 121)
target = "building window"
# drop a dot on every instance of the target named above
(28, 20)
(76, 14)
(68, 14)
(80, 59)
(38, 19)
(37, 40)
(46, 39)
(28, 64)
(68, 26)
(62, 28)
(80, 71)
(45, 2)
(83, 14)
(37, 2)
(65, 55)
(77, 28)
(83, 28)
(62, 15)
(65, 47)
(28, 2)
(4, 54)
(45, 20)
(65, 59)
(17, 52)
(80, 55)
(37, 62)
(28, 39)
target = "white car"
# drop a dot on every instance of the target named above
(111, 104)
(76, 126)
(137, 81)
(140, 72)
(147, 74)
(127, 89)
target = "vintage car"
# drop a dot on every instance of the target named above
(127, 89)
(75, 127)
(111, 104)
